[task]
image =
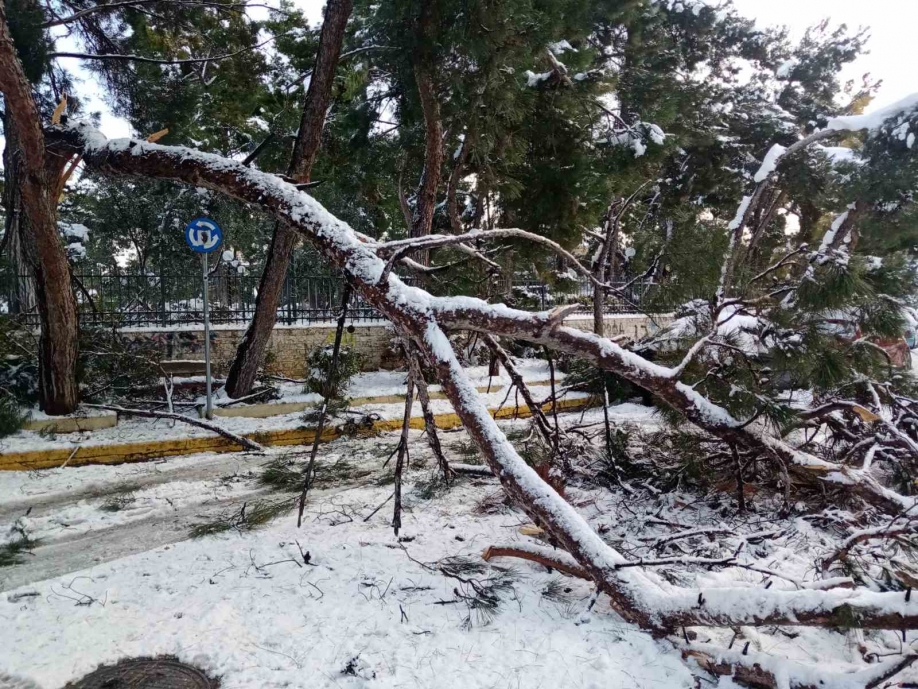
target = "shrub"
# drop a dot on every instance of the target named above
(18, 362)
(112, 365)
(12, 415)
(318, 370)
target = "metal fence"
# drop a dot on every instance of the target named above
(136, 300)
(632, 296)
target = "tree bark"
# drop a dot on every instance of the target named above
(433, 131)
(251, 350)
(22, 285)
(765, 672)
(452, 191)
(402, 451)
(39, 172)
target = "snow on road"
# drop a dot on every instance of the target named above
(79, 515)
(361, 613)
(222, 605)
(369, 610)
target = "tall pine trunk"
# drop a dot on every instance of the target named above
(37, 175)
(424, 65)
(41, 261)
(251, 350)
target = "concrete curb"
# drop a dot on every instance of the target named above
(120, 453)
(73, 424)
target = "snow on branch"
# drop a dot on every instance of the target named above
(242, 441)
(400, 246)
(665, 607)
(873, 121)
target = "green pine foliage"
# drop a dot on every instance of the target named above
(12, 416)
(320, 378)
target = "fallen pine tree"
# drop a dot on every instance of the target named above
(638, 595)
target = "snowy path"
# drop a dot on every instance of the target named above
(65, 507)
(167, 499)
(239, 605)
(42, 491)
(87, 549)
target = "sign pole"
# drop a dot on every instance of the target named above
(209, 408)
(204, 235)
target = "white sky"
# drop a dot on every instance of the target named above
(893, 46)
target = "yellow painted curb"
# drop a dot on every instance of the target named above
(119, 453)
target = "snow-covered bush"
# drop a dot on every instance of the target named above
(319, 376)
(12, 415)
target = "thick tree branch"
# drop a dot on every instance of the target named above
(768, 672)
(749, 204)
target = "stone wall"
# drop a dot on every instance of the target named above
(630, 325)
(289, 345)
(287, 348)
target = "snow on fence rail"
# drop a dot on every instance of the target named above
(113, 299)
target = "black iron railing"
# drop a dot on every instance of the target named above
(630, 296)
(126, 300)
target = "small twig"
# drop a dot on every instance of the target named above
(400, 459)
(72, 455)
(381, 505)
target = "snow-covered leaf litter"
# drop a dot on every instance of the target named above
(417, 313)
(214, 603)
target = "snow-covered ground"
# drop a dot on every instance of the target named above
(370, 609)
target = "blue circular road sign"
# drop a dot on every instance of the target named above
(203, 235)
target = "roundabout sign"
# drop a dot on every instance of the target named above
(204, 236)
